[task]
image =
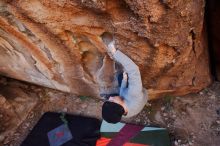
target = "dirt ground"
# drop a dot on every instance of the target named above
(192, 120)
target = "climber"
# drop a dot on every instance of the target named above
(132, 96)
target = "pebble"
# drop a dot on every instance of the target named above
(164, 114)
(65, 109)
(182, 13)
(137, 120)
(2, 138)
(6, 141)
(84, 105)
(156, 45)
(148, 104)
(176, 143)
(17, 134)
(218, 122)
(212, 97)
(178, 97)
(2, 100)
(174, 116)
(27, 124)
(162, 108)
(190, 143)
(77, 100)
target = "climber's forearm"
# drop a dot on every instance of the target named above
(134, 77)
(125, 61)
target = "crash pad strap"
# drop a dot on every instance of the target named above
(126, 133)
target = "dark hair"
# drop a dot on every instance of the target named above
(112, 112)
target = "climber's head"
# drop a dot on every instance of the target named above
(113, 109)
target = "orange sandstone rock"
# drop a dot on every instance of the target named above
(57, 44)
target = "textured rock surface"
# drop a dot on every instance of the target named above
(56, 43)
(192, 120)
(15, 105)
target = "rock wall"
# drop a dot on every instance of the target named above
(213, 22)
(16, 102)
(56, 43)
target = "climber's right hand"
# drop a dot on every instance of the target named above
(111, 48)
(108, 40)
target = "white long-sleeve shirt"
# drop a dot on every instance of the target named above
(135, 96)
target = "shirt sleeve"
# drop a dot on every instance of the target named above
(134, 77)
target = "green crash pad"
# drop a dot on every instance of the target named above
(152, 136)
